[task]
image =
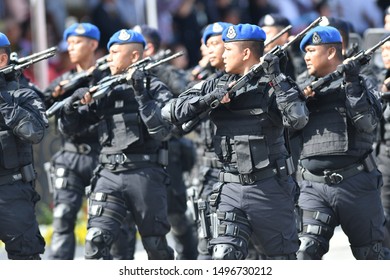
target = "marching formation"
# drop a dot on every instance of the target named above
(268, 148)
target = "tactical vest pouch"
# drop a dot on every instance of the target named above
(163, 157)
(103, 132)
(252, 153)
(28, 173)
(127, 130)
(9, 156)
(326, 134)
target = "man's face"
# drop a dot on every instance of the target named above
(385, 50)
(119, 58)
(215, 47)
(79, 48)
(232, 58)
(316, 59)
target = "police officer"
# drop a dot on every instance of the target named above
(341, 183)
(383, 145)
(255, 193)
(208, 164)
(130, 176)
(73, 165)
(181, 154)
(22, 123)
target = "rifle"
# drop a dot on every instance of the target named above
(101, 89)
(277, 36)
(243, 80)
(363, 57)
(144, 64)
(25, 62)
(15, 60)
(79, 78)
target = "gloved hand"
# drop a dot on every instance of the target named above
(271, 64)
(137, 79)
(352, 70)
(216, 94)
(76, 96)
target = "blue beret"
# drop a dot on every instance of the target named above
(320, 35)
(4, 42)
(214, 29)
(274, 20)
(126, 36)
(82, 29)
(243, 32)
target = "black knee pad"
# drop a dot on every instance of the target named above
(310, 249)
(64, 218)
(98, 243)
(157, 248)
(226, 252)
(374, 251)
(203, 247)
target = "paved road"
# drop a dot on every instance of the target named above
(339, 249)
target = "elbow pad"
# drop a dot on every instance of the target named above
(29, 132)
(297, 115)
(168, 112)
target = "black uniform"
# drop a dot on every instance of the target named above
(71, 171)
(22, 123)
(255, 193)
(130, 176)
(383, 156)
(341, 184)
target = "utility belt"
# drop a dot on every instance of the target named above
(78, 148)
(334, 177)
(134, 159)
(25, 173)
(284, 168)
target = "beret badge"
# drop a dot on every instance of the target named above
(80, 29)
(123, 35)
(217, 28)
(316, 39)
(231, 33)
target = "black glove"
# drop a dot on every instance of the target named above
(271, 64)
(76, 96)
(216, 94)
(137, 79)
(352, 70)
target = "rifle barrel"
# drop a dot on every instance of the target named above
(277, 36)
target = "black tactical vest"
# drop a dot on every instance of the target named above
(329, 131)
(120, 128)
(249, 133)
(14, 153)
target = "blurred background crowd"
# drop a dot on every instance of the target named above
(180, 22)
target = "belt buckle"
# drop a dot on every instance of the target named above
(84, 148)
(333, 178)
(246, 179)
(120, 158)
